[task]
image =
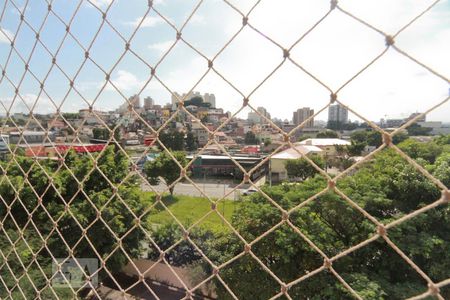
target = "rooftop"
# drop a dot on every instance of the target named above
(297, 152)
(324, 142)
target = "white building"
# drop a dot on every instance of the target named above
(257, 117)
(278, 161)
(94, 117)
(338, 113)
(134, 101)
(4, 142)
(436, 126)
(326, 145)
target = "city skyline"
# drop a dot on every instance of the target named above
(148, 102)
(391, 86)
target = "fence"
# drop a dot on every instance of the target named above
(15, 244)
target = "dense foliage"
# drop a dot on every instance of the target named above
(387, 187)
(37, 194)
(302, 169)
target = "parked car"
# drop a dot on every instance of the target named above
(249, 191)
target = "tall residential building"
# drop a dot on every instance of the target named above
(134, 101)
(211, 99)
(148, 103)
(413, 115)
(337, 113)
(301, 114)
(257, 118)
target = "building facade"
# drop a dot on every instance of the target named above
(301, 115)
(148, 103)
(337, 113)
(258, 117)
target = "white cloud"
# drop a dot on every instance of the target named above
(41, 105)
(147, 22)
(162, 46)
(5, 35)
(125, 81)
(197, 19)
(101, 3)
(334, 51)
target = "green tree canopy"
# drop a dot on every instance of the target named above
(301, 168)
(251, 139)
(173, 140)
(388, 188)
(166, 168)
(106, 188)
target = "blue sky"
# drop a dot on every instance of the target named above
(335, 51)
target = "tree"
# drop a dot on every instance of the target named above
(251, 139)
(191, 142)
(71, 116)
(399, 137)
(165, 167)
(117, 199)
(197, 101)
(367, 137)
(301, 168)
(388, 188)
(327, 134)
(442, 140)
(428, 151)
(416, 130)
(173, 140)
(101, 133)
(356, 148)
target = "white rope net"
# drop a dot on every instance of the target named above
(27, 230)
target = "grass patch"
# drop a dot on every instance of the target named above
(189, 209)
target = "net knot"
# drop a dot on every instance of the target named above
(433, 289)
(387, 139)
(331, 185)
(327, 263)
(333, 97)
(333, 4)
(389, 40)
(381, 230)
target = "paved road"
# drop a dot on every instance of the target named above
(213, 190)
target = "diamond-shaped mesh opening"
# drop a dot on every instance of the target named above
(330, 285)
(384, 282)
(426, 236)
(103, 196)
(273, 248)
(332, 232)
(245, 268)
(390, 170)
